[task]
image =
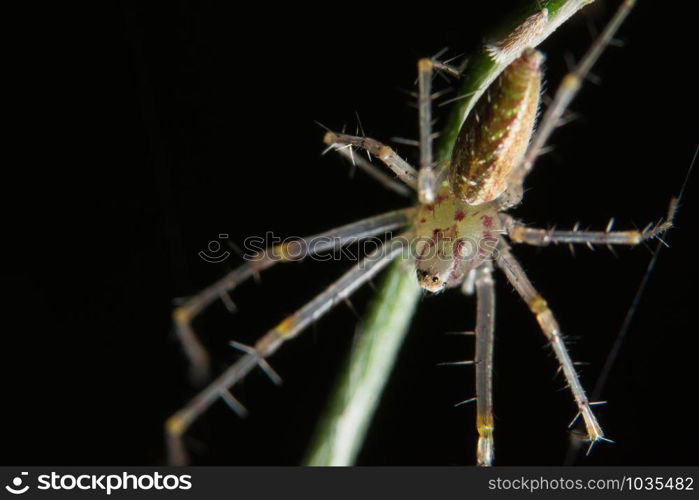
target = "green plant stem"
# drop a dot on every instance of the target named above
(366, 371)
(343, 427)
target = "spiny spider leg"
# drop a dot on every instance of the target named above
(372, 171)
(519, 233)
(445, 67)
(485, 331)
(292, 251)
(567, 90)
(390, 158)
(549, 326)
(287, 329)
(426, 181)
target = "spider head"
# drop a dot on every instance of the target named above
(441, 268)
(431, 282)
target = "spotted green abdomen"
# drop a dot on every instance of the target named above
(496, 133)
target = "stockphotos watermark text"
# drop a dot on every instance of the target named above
(106, 483)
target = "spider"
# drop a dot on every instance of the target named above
(458, 232)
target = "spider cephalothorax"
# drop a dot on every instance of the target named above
(452, 238)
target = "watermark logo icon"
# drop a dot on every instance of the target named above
(16, 487)
(214, 255)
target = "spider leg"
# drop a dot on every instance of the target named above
(549, 326)
(519, 233)
(567, 90)
(372, 171)
(403, 170)
(291, 251)
(485, 330)
(427, 180)
(287, 329)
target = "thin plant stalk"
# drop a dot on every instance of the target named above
(357, 393)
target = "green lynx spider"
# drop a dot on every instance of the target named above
(461, 200)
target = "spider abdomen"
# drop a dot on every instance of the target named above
(495, 135)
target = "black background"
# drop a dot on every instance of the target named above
(147, 129)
